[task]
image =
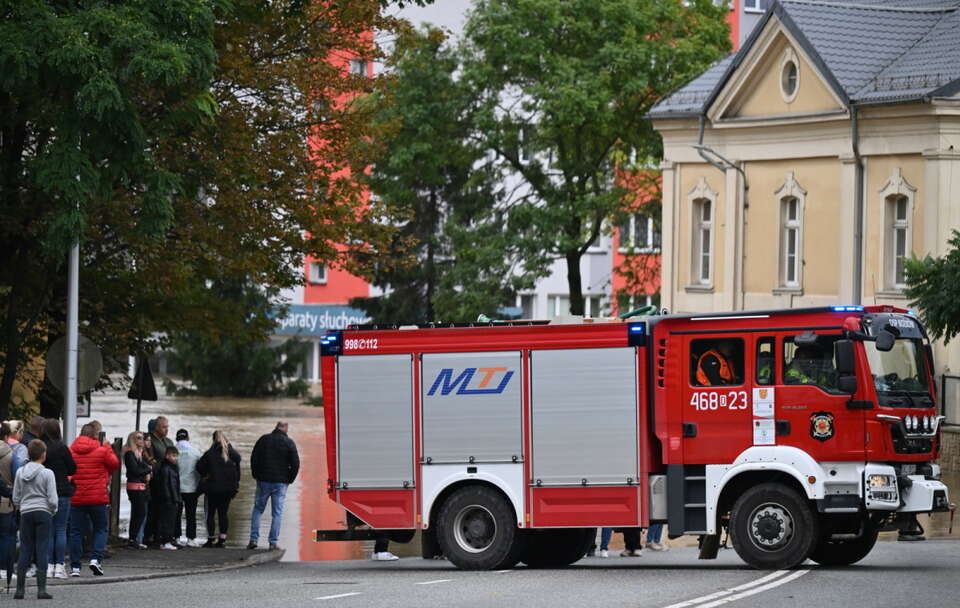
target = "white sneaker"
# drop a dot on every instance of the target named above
(49, 570)
(604, 553)
(3, 574)
(628, 553)
(168, 547)
(182, 541)
(657, 547)
(74, 571)
(95, 567)
(59, 571)
(384, 556)
(193, 542)
(32, 572)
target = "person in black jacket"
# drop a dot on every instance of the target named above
(60, 461)
(219, 471)
(275, 464)
(139, 471)
(165, 491)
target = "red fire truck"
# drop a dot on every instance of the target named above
(802, 432)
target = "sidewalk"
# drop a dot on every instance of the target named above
(133, 565)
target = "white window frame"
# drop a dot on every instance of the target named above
(789, 57)
(897, 188)
(636, 301)
(791, 190)
(359, 67)
(752, 6)
(317, 273)
(533, 304)
(628, 233)
(696, 198)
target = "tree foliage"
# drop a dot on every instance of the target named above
(456, 261)
(563, 87)
(933, 286)
(179, 141)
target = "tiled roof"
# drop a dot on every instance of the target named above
(690, 98)
(873, 50)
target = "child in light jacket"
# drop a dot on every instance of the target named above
(35, 494)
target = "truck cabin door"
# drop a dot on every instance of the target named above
(715, 398)
(812, 413)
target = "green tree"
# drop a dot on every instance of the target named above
(442, 191)
(563, 88)
(933, 286)
(242, 364)
(184, 142)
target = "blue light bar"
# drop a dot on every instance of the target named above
(636, 334)
(637, 328)
(848, 308)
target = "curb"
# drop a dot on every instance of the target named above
(261, 557)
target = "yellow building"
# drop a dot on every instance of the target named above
(802, 170)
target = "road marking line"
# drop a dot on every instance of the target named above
(781, 581)
(333, 597)
(725, 592)
(442, 580)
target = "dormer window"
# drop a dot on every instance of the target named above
(789, 75)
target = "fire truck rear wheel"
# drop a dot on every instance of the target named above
(845, 552)
(773, 527)
(478, 529)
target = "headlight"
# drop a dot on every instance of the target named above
(881, 481)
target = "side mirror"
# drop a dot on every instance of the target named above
(847, 384)
(885, 340)
(846, 365)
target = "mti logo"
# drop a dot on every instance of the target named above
(447, 383)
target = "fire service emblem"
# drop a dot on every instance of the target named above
(821, 425)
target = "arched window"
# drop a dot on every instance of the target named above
(898, 198)
(791, 198)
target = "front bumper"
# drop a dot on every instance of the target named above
(921, 495)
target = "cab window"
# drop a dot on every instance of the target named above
(765, 361)
(716, 362)
(811, 364)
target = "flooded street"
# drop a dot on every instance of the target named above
(244, 421)
(307, 506)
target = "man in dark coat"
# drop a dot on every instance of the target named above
(274, 464)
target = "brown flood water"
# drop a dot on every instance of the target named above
(244, 421)
(307, 506)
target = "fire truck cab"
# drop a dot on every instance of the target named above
(802, 432)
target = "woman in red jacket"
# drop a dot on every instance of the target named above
(95, 462)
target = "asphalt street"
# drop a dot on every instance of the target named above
(895, 574)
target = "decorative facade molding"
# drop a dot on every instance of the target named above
(702, 190)
(897, 185)
(791, 187)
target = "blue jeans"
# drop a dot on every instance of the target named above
(34, 540)
(654, 533)
(58, 531)
(276, 492)
(81, 517)
(8, 539)
(605, 535)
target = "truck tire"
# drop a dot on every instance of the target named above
(845, 552)
(773, 527)
(557, 548)
(477, 529)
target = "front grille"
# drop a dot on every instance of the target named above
(909, 445)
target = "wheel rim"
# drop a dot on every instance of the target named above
(474, 528)
(771, 527)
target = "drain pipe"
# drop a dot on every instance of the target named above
(857, 208)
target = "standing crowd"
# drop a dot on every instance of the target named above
(51, 493)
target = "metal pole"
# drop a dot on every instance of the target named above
(139, 393)
(73, 319)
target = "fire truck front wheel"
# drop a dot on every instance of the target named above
(773, 527)
(478, 529)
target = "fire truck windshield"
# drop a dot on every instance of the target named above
(900, 374)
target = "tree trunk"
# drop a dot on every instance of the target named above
(11, 339)
(574, 282)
